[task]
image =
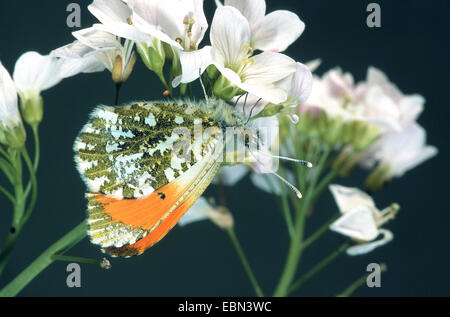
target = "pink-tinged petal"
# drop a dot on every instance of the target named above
(277, 31)
(410, 108)
(253, 10)
(404, 150)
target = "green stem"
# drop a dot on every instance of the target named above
(244, 262)
(358, 283)
(319, 232)
(7, 169)
(44, 260)
(318, 267)
(162, 78)
(8, 194)
(117, 93)
(65, 258)
(19, 209)
(183, 89)
(34, 186)
(295, 247)
(287, 212)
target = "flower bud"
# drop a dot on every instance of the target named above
(14, 137)
(120, 72)
(105, 264)
(332, 130)
(153, 56)
(222, 217)
(224, 89)
(32, 108)
(378, 178)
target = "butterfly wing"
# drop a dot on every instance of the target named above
(138, 186)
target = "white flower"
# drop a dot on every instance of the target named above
(9, 111)
(298, 85)
(34, 73)
(202, 210)
(386, 103)
(361, 220)
(180, 23)
(96, 50)
(409, 106)
(232, 55)
(337, 94)
(273, 32)
(399, 152)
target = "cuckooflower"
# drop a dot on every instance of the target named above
(203, 210)
(12, 131)
(34, 73)
(361, 220)
(398, 152)
(382, 93)
(180, 23)
(96, 50)
(232, 55)
(273, 32)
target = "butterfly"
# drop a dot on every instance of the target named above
(138, 187)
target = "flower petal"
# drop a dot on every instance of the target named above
(73, 66)
(253, 10)
(348, 198)
(365, 248)
(358, 223)
(230, 32)
(298, 85)
(110, 11)
(231, 175)
(96, 39)
(193, 64)
(269, 68)
(277, 31)
(197, 212)
(9, 111)
(36, 72)
(413, 149)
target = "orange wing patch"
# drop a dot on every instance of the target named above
(126, 227)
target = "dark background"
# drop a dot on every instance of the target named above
(198, 260)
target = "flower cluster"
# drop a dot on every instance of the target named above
(377, 119)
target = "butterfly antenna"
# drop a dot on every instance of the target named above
(239, 98)
(245, 103)
(291, 187)
(285, 158)
(302, 162)
(251, 110)
(203, 86)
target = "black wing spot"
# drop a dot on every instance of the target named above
(162, 195)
